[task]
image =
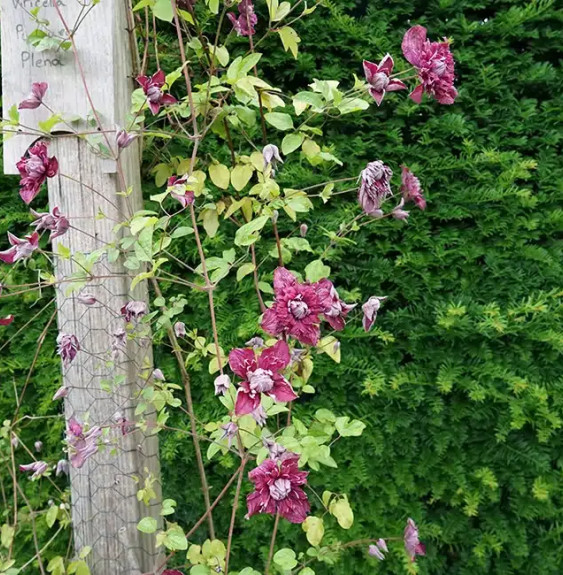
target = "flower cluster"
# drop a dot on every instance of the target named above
(34, 169)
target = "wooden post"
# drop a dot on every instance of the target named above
(105, 509)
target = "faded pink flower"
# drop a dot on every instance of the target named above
(413, 546)
(6, 320)
(56, 223)
(34, 168)
(370, 309)
(295, 310)
(244, 24)
(39, 468)
(411, 189)
(377, 76)
(134, 310)
(179, 190)
(261, 375)
(68, 347)
(434, 64)
(375, 186)
(60, 393)
(123, 139)
(180, 329)
(81, 444)
(35, 97)
(152, 87)
(230, 431)
(278, 489)
(222, 384)
(334, 309)
(21, 248)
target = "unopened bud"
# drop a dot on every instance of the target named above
(87, 299)
(180, 329)
(303, 230)
(38, 445)
(275, 216)
(157, 374)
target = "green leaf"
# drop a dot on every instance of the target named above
(244, 270)
(200, 570)
(181, 232)
(175, 539)
(279, 120)
(282, 11)
(348, 428)
(285, 558)
(220, 175)
(246, 235)
(349, 105)
(168, 506)
(7, 535)
(341, 509)
(147, 525)
(290, 39)
(314, 528)
(291, 142)
(51, 515)
(316, 271)
(210, 222)
(240, 176)
(331, 346)
(162, 9)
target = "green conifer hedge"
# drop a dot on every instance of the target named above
(461, 384)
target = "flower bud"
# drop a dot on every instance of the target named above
(157, 374)
(275, 216)
(87, 299)
(38, 445)
(303, 230)
(180, 329)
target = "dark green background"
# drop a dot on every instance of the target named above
(464, 405)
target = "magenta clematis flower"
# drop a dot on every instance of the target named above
(244, 24)
(434, 64)
(56, 223)
(370, 309)
(278, 489)
(411, 189)
(222, 384)
(172, 572)
(81, 444)
(68, 347)
(21, 248)
(134, 310)
(152, 87)
(413, 546)
(179, 190)
(261, 375)
(34, 170)
(375, 186)
(35, 97)
(334, 309)
(378, 77)
(6, 320)
(295, 310)
(39, 468)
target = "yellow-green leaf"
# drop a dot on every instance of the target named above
(244, 270)
(314, 528)
(219, 175)
(240, 176)
(290, 40)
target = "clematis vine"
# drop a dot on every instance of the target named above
(434, 65)
(81, 444)
(34, 168)
(413, 546)
(53, 221)
(21, 248)
(35, 97)
(68, 347)
(375, 186)
(278, 489)
(39, 469)
(296, 309)
(378, 77)
(152, 87)
(247, 19)
(261, 376)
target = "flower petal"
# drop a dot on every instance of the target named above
(246, 404)
(283, 279)
(386, 65)
(370, 70)
(242, 360)
(412, 44)
(416, 94)
(276, 357)
(282, 390)
(395, 85)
